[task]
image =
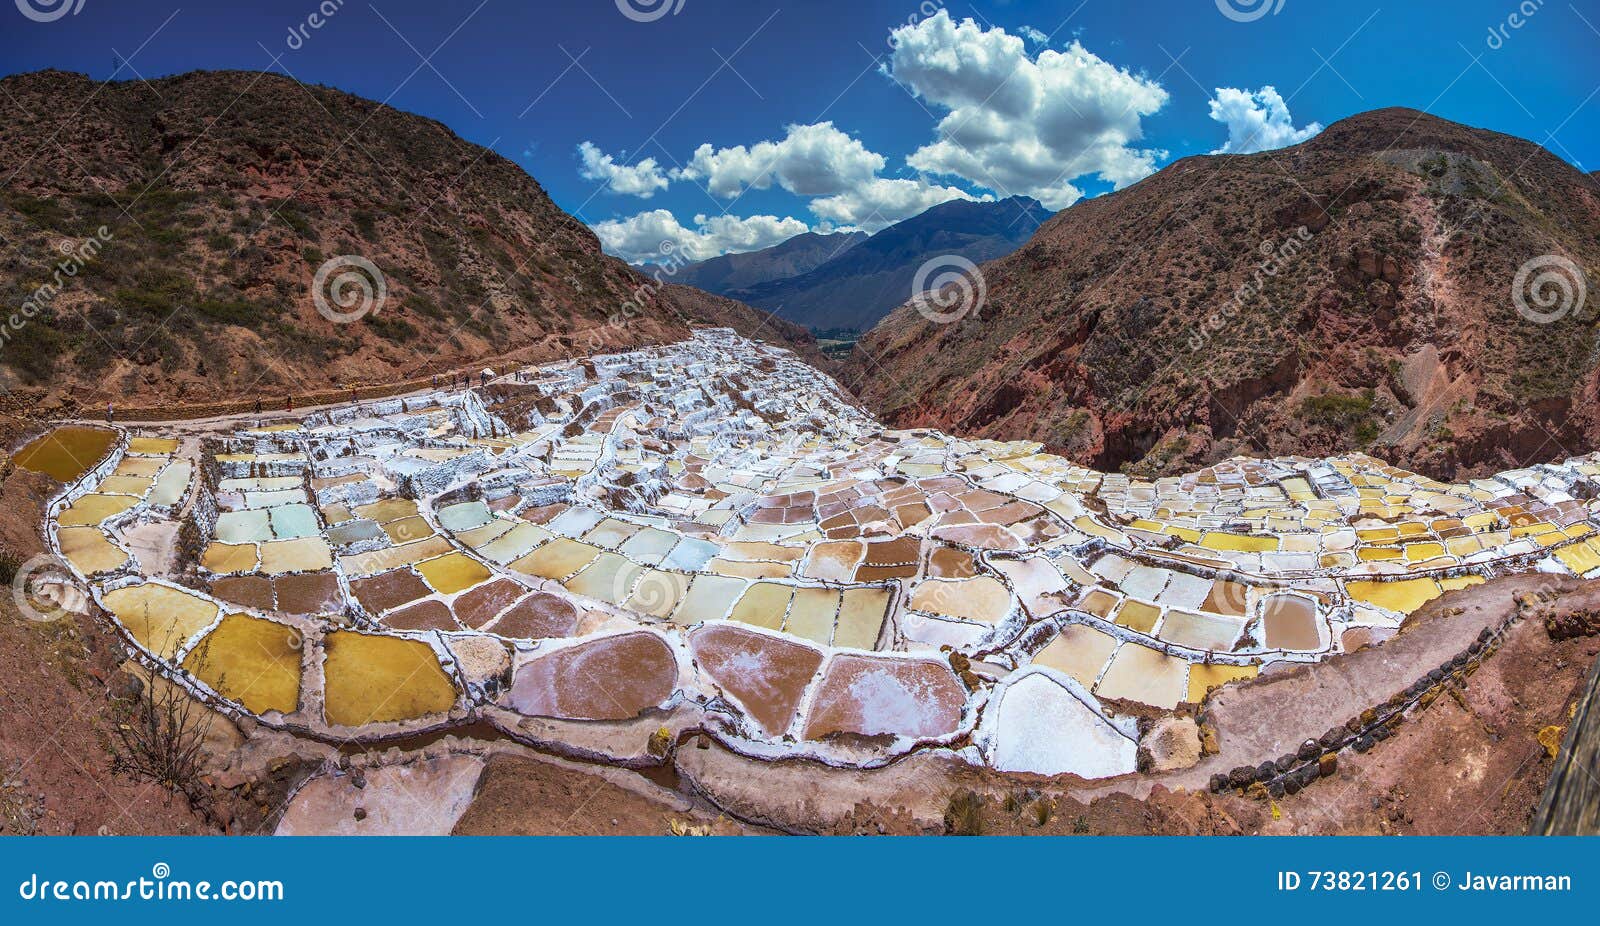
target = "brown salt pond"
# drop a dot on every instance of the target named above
(65, 453)
(539, 616)
(377, 679)
(250, 661)
(612, 678)
(309, 593)
(767, 675)
(480, 605)
(871, 696)
(388, 590)
(424, 615)
(1290, 622)
(249, 591)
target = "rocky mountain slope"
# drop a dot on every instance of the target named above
(221, 195)
(798, 255)
(854, 289)
(1354, 291)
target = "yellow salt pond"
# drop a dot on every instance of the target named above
(453, 572)
(138, 467)
(1079, 651)
(708, 599)
(812, 614)
(378, 679)
(89, 551)
(1580, 557)
(152, 446)
(1238, 543)
(1203, 677)
(557, 559)
(1139, 673)
(93, 509)
(66, 453)
(1403, 596)
(977, 599)
(389, 509)
(861, 615)
(250, 661)
(228, 558)
(125, 485)
(308, 554)
(764, 605)
(160, 617)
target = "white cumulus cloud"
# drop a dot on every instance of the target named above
(1257, 120)
(641, 179)
(881, 202)
(1019, 123)
(810, 160)
(641, 238)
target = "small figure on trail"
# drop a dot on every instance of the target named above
(258, 406)
(288, 402)
(110, 413)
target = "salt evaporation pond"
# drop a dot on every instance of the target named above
(67, 452)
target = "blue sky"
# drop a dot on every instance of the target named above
(731, 124)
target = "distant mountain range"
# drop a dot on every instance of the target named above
(850, 281)
(800, 254)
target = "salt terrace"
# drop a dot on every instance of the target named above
(593, 555)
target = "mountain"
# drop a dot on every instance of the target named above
(854, 289)
(798, 255)
(1353, 291)
(221, 195)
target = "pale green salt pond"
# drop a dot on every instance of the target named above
(465, 516)
(244, 527)
(172, 485)
(290, 522)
